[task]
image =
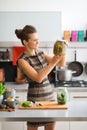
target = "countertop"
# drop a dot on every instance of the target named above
(77, 111)
(24, 87)
(17, 87)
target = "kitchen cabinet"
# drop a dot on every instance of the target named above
(0, 125)
(78, 96)
(12, 126)
(78, 125)
(62, 125)
(21, 96)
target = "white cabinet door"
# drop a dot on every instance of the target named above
(78, 95)
(62, 125)
(0, 125)
(21, 96)
(12, 125)
(78, 125)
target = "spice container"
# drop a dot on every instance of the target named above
(80, 36)
(74, 36)
(67, 35)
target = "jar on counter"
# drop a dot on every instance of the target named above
(10, 92)
(62, 95)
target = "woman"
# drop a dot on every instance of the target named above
(34, 66)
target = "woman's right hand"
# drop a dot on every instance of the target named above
(56, 59)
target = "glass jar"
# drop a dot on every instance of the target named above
(10, 92)
(59, 47)
(62, 95)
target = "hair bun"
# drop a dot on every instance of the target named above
(18, 33)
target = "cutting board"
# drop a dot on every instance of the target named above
(45, 105)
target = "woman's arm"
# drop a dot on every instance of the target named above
(38, 76)
(20, 79)
(61, 63)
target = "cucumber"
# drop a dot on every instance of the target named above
(26, 104)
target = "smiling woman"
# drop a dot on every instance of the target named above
(47, 32)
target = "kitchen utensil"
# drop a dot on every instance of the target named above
(76, 66)
(10, 103)
(64, 74)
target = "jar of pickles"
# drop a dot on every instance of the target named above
(59, 47)
(62, 96)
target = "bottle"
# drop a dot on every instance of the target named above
(6, 55)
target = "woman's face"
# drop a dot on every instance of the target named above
(33, 41)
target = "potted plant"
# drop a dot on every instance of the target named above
(2, 91)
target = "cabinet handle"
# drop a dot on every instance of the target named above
(17, 97)
(79, 96)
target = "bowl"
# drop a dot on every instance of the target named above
(10, 103)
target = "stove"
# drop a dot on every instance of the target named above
(75, 83)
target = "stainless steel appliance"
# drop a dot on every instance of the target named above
(73, 83)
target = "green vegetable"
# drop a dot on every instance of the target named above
(2, 89)
(26, 104)
(62, 97)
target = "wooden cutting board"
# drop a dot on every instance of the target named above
(45, 105)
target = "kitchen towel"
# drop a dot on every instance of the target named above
(17, 50)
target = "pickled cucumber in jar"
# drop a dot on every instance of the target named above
(62, 96)
(59, 47)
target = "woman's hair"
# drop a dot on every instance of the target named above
(23, 34)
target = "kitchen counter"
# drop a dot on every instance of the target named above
(77, 111)
(24, 87)
(17, 87)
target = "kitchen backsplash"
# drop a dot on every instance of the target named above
(81, 49)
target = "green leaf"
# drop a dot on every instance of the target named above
(2, 89)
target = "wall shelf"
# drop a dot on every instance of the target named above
(78, 45)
